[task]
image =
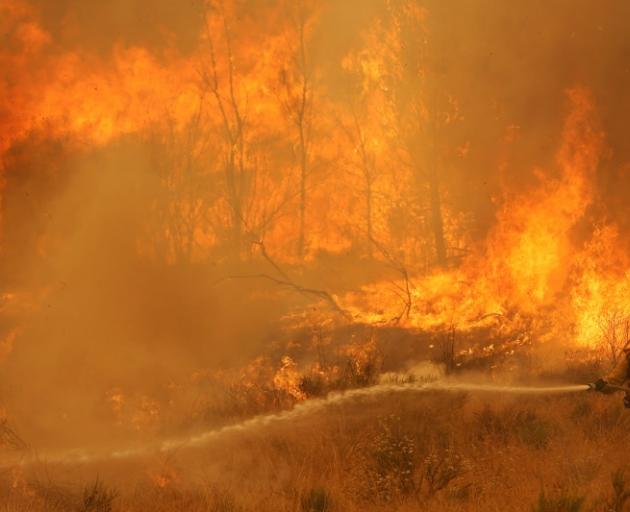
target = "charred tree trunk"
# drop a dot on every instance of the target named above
(368, 176)
(303, 175)
(236, 212)
(434, 173)
(298, 104)
(437, 222)
(302, 125)
(234, 134)
(368, 200)
(368, 173)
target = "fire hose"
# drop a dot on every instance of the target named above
(604, 387)
(607, 388)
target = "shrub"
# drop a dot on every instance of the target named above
(389, 462)
(440, 468)
(608, 419)
(532, 430)
(222, 501)
(316, 500)
(581, 410)
(526, 426)
(97, 498)
(621, 492)
(563, 502)
(51, 495)
(491, 424)
(313, 385)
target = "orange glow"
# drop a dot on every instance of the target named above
(218, 209)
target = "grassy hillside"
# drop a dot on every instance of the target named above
(434, 451)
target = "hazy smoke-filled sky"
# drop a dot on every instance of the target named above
(94, 298)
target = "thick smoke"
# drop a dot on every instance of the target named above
(94, 311)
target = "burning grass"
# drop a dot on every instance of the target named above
(438, 450)
(435, 451)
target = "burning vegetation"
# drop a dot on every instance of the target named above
(217, 216)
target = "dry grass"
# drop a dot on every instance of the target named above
(407, 452)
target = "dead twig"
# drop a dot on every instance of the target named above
(405, 288)
(286, 281)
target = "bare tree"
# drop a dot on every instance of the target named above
(419, 110)
(297, 100)
(367, 166)
(236, 169)
(408, 66)
(615, 333)
(281, 278)
(432, 175)
(180, 156)
(402, 290)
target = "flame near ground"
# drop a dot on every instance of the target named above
(223, 209)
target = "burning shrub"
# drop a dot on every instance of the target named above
(313, 385)
(360, 373)
(615, 334)
(363, 365)
(288, 379)
(163, 477)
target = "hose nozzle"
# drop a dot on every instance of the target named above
(598, 385)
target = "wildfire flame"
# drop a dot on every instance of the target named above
(325, 178)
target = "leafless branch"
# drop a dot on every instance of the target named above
(286, 281)
(402, 270)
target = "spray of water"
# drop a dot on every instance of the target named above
(314, 406)
(306, 408)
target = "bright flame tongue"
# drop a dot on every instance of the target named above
(89, 98)
(531, 255)
(531, 260)
(601, 296)
(95, 101)
(530, 249)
